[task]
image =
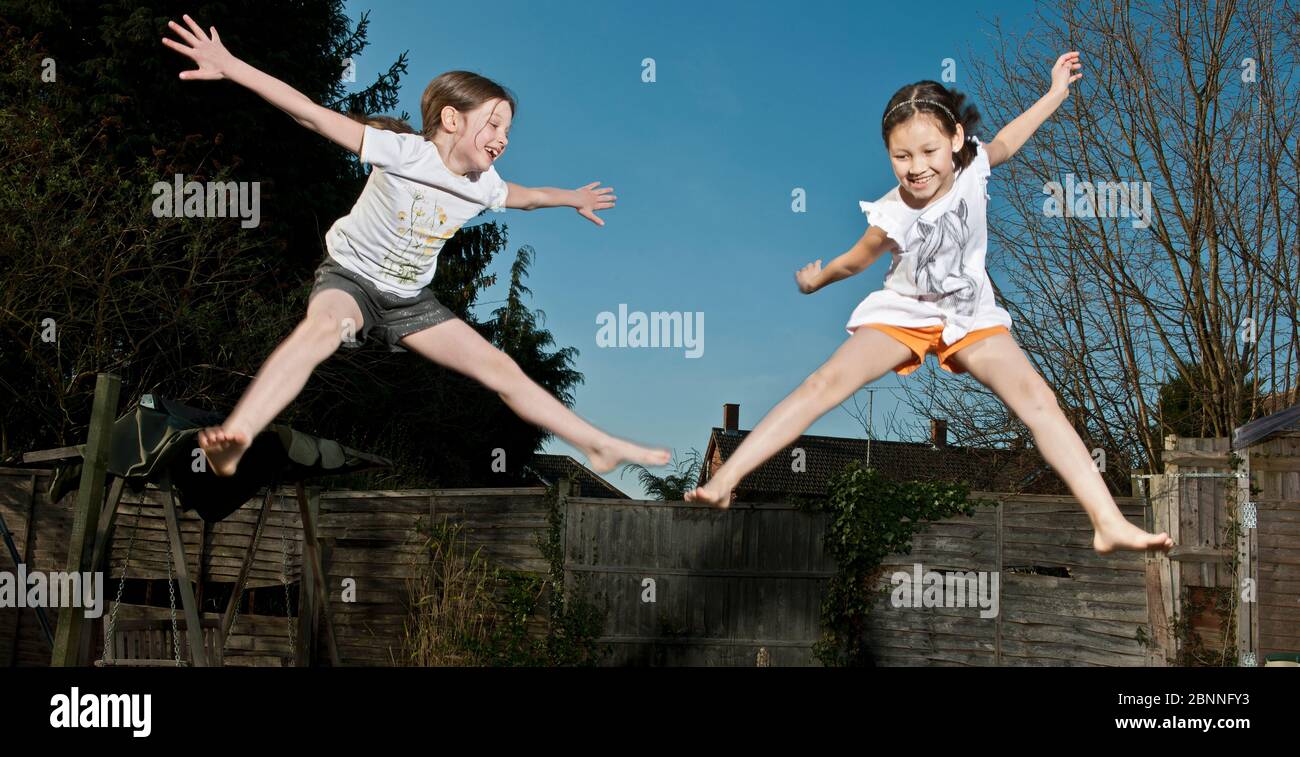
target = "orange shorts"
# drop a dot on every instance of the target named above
(922, 340)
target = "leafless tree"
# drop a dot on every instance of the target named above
(1197, 101)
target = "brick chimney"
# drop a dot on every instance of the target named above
(938, 433)
(730, 418)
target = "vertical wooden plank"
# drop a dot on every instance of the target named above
(801, 628)
(312, 552)
(1261, 479)
(1161, 590)
(710, 530)
(769, 608)
(28, 532)
(107, 524)
(1160, 641)
(199, 570)
(1203, 492)
(1184, 508)
(1160, 571)
(602, 546)
(635, 617)
(662, 545)
(655, 556)
(1191, 489)
(308, 609)
(575, 535)
(563, 489)
(997, 619)
(325, 546)
(90, 497)
(1253, 547)
(634, 547)
(1217, 573)
(629, 587)
(1188, 498)
(193, 629)
(25, 544)
(789, 543)
(1173, 514)
(727, 605)
(752, 610)
(1212, 492)
(791, 624)
(1224, 488)
(1247, 635)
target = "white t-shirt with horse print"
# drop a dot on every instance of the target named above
(937, 275)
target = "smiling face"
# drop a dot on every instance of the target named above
(487, 135)
(923, 157)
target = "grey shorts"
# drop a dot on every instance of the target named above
(386, 317)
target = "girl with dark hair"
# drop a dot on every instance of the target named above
(937, 297)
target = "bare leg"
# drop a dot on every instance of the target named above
(330, 315)
(455, 345)
(998, 363)
(861, 359)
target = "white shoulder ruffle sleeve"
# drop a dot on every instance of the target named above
(980, 166)
(884, 214)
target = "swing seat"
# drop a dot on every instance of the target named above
(148, 643)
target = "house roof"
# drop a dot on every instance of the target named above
(1262, 428)
(983, 469)
(551, 468)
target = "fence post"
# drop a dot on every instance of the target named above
(1247, 567)
(308, 508)
(563, 490)
(85, 523)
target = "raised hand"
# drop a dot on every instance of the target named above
(591, 199)
(1063, 72)
(212, 57)
(807, 277)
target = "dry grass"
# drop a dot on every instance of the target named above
(452, 604)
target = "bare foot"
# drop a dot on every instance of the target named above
(1120, 534)
(713, 493)
(606, 455)
(223, 448)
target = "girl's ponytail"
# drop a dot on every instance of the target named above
(969, 118)
(384, 122)
(948, 107)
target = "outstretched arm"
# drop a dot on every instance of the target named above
(864, 253)
(1016, 133)
(216, 62)
(587, 200)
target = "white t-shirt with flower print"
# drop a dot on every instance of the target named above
(411, 205)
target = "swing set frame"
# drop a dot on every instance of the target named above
(94, 522)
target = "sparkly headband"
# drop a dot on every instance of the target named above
(913, 101)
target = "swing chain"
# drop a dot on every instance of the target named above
(284, 579)
(117, 601)
(171, 592)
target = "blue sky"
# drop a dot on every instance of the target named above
(751, 100)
